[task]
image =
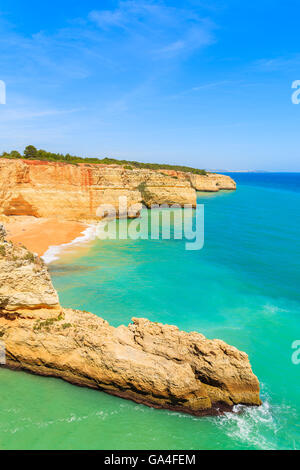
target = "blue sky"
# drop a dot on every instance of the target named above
(203, 83)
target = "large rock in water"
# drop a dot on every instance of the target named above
(147, 362)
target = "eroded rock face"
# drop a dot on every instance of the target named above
(151, 363)
(74, 192)
(212, 182)
(54, 189)
(25, 285)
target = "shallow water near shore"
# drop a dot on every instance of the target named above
(242, 287)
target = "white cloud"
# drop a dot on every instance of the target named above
(133, 37)
(162, 31)
(105, 19)
(16, 114)
(194, 39)
(173, 47)
(123, 52)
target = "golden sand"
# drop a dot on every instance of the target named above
(38, 234)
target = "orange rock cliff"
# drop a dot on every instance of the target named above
(74, 192)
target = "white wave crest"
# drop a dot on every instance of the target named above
(54, 251)
(250, 424)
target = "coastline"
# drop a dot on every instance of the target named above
(233, 325)
(53, 251)
(46, 236)
(139, 362)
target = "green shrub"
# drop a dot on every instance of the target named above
(32, 153)
(47, 323)
(142, 187)
(29, 257)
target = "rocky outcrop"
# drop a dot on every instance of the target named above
(147, 362)
(211, 182)
(74, 192)
(25, 286)
(151, 363)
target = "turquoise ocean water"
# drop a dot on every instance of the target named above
(242, 287)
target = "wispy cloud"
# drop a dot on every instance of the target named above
(163, 31)
(17, 114)
(41, 55)
(135, 35)
(278, 63)
(194, 39)
(115, 59)
(222, 84)
(106, 19)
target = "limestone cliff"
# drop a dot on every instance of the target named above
(25, 286)
(74, 192)
(46, 189)
(211, 182)
(150, 363)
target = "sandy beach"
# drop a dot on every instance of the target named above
(38, 234)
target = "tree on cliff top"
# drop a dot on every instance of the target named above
(15, 154)
(30, 152)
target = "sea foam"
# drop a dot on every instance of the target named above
(245, 424)
(54, 251)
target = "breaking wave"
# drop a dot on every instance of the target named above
(258, 427)
(245, 424)
(53, 252)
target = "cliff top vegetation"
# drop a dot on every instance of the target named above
(32, 153)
